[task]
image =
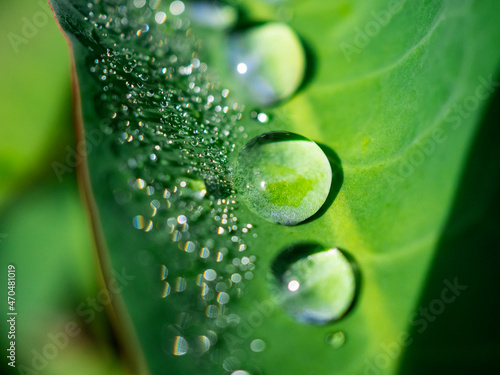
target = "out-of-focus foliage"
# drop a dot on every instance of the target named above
(44, 231)
(35, 96)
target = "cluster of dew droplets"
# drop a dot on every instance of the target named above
(172, 129)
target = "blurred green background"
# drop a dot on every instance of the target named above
(44, 230)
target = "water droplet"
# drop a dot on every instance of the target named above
(204, 253)
(257, 345)
(211, 311)
(203, 344)
(231, 363)
(336, 339)
(283, 177)
(160, 17)
(180, 346)
(189, 247)
(210, 275)
(164, 272)
(314, 285)
(138, 222)
(261, 117)
(166, 290)
(177, 7)
(180, 284)
(270, 61)
(223, 298)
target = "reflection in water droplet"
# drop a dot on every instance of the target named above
(336, 339)
(283, 177)
(242, 68)
(270, 61)
(180, 346)
(261, 117)
(313, 285)
(293, 286)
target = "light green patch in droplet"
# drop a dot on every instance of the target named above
(275, 191)
(283, 177)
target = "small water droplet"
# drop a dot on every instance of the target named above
(269, 60)
(223, 298)
(204, 253)
(211, 311)
(336, 339)
(160, 17)
(203, 344)
(257, 345)
(177, 7)
(189, 247)
(138, 222)
(261, 117)
(180, 284)
(210, 275)
(283, 177)
(236, 278)
(166, 290)
(314, 285)
(231, 363)
(164, 272)
(180, 346)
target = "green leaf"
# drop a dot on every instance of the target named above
(397, 93)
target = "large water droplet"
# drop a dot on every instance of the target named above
(283, 177)
(270, 61)
(314, 285)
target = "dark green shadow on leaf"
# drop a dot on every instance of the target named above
(337, 181)
(465, 335)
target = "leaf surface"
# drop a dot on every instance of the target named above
(400, 112)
